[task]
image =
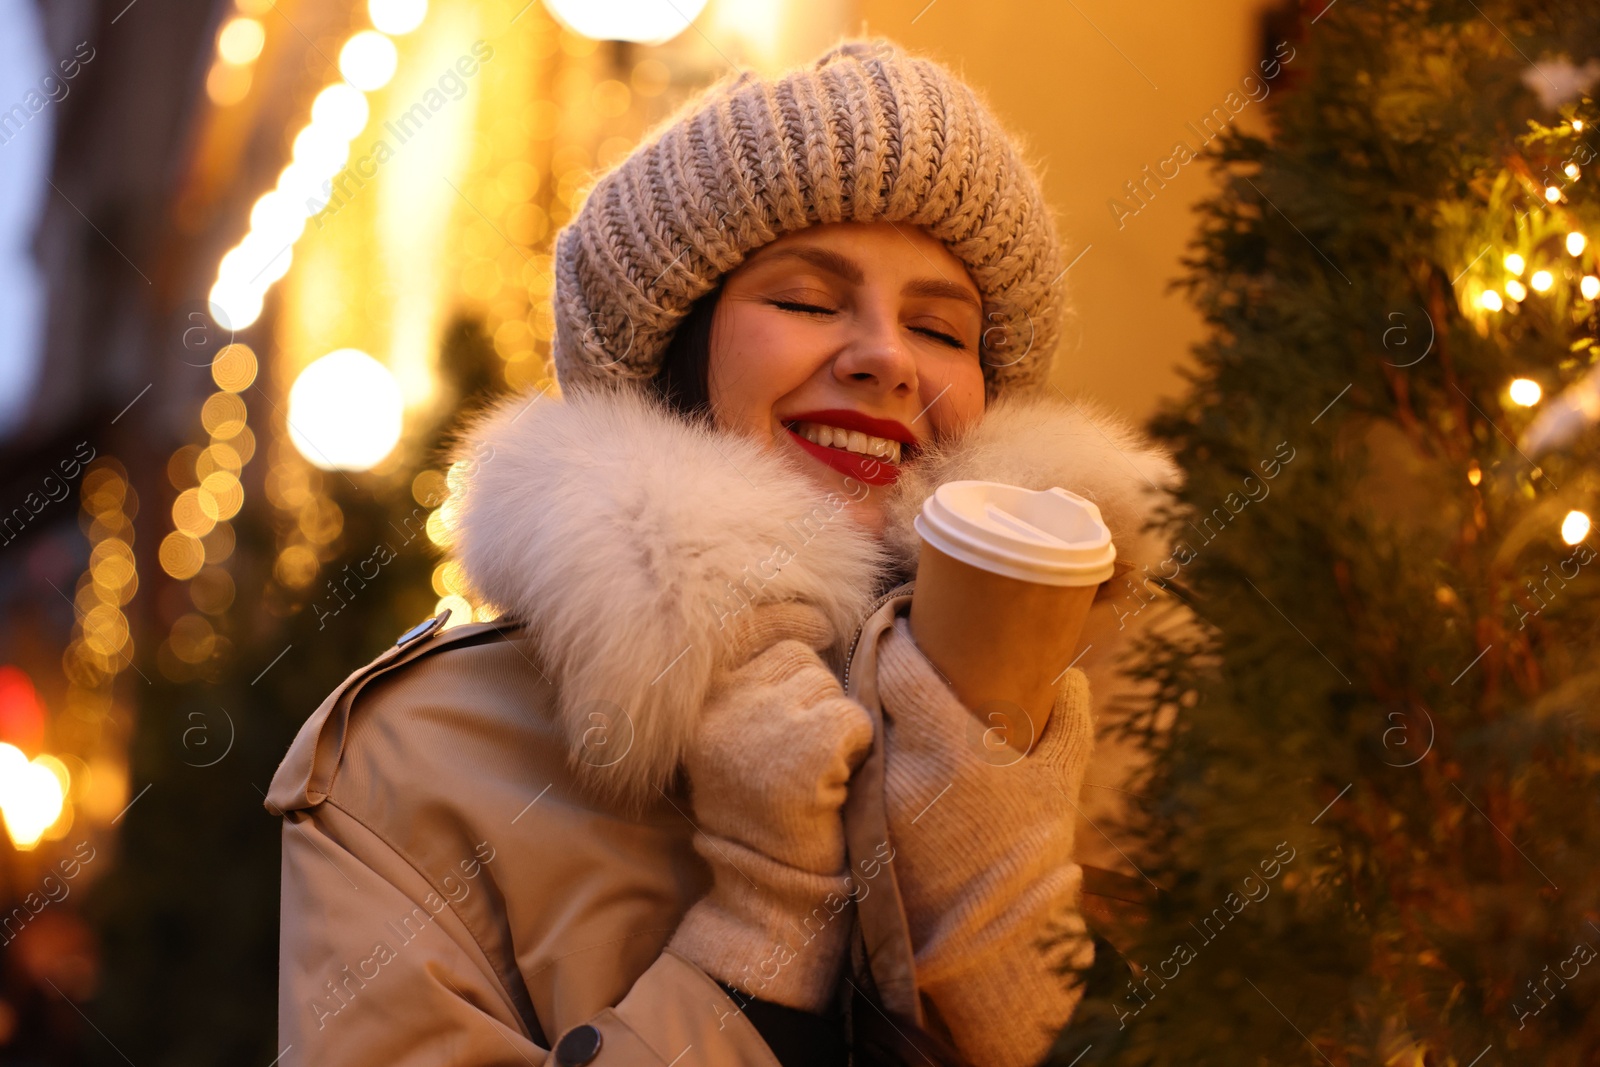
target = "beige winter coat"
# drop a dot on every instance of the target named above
(486, 840)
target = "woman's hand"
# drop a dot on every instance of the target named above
(777, 743)
(983, 840)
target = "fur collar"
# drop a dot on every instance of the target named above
(625, 536)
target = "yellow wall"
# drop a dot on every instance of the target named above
(1098, 89)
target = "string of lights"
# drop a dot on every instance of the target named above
(1555, 256)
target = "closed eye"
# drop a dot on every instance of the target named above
(939, 335)
(813, 309)
(817, 309)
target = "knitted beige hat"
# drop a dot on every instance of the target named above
(865, 133)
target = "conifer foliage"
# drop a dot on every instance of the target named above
(1374, 816)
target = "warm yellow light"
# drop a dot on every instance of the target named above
(234, 305)
(342, 109)
(255, 262)
(111, 564)
(645, 21)
(105, 629)
(1575, 242)
(1490, 300)
(1525, 391)
(31, 796)
(428, 488)
(181, 555)
(236, 263)
(1474, 473)
(277, 218)
(218, 456)
(234, 369)
(1541, 280)
(320, 150)
(227, 84)
(1516, 290)
(58, 769)
(367, 60)
(1575, 527)
(438, 527)
(192, 639)
(1551, 193)
(223, 415)
(304, 187)
(397, 16)
(240, 41)
(276, 265)
(345, 411)
(1572, 170)
(1589, 287)
(460, 610)
(220, 496)
(189, 517)
(296, 566)
(1515, 263)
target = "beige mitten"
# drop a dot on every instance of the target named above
(983, 843)
(768, 770)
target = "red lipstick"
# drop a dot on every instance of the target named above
(873, 470)
(846, 419)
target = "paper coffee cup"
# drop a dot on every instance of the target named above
(1005, 580)
(1049, 536)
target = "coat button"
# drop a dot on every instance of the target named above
(578, 1046)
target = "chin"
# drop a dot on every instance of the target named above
(869, 515)
(865, 511)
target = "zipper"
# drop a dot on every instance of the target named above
(850, 656)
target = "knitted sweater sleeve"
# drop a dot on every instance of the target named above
(984, 841)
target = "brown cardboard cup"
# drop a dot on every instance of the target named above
(1005, 579)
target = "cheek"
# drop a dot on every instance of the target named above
(756, 359)
(960, 397)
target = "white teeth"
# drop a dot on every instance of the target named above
(850, 440)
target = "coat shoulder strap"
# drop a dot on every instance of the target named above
(306, 773)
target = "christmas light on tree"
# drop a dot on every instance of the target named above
(1373, 818)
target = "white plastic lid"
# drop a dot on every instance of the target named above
(1049, 536)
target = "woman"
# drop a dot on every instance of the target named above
(695, 797)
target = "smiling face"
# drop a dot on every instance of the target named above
(871, 329)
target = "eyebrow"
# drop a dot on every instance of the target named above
(939, 287)
(843, 266)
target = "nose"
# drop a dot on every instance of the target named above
(876, 355)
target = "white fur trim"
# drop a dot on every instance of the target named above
(625, 535)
